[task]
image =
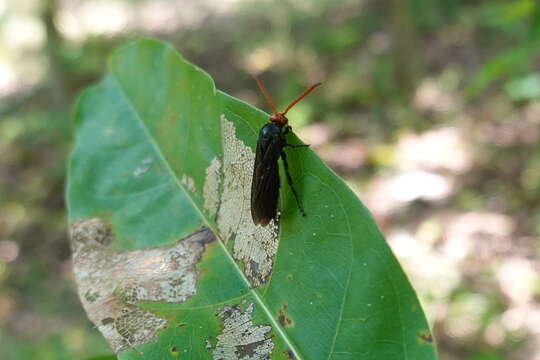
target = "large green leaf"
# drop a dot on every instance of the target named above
(167, 259)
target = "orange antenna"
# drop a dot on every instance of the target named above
(301, 96)
(265, 94)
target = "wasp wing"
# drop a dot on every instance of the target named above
(265, 182)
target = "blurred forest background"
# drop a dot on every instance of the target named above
(430, 109)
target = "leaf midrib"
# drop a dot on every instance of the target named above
(253, 292)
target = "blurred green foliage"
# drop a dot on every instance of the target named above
(389, 68)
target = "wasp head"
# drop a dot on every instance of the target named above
(279, 118)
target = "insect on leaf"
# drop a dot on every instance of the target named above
(167, 259)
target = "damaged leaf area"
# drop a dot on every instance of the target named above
(212, 187)
(254, 245)
(111, 282)
(167, 260)
(240, 339)
(227, 192)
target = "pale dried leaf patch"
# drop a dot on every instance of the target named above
(146, 164)
(212, 182)
(240, 339)
(188, 183)
(254, 245)
(111, 282)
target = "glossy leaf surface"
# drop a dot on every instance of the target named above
(161, 154)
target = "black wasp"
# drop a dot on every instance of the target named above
(270, 147)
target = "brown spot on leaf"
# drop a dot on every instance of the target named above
(283, 319)
(425, 337)
(290, 355)
(107, 321)
(249, 350)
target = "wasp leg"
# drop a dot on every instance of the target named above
(290, 182)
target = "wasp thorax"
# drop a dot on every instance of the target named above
(279, 118)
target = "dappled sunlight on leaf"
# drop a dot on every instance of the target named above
(430, 96)
(465, 315)
(522, 291)
(389, 194)
(495, 333)
(8, 79)
(465, 232)
(439, 149)
(260, 60)
(81, 19)
(158, 16)
(436, 274)
(412, 185)
(514, 318)
(24, 32)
